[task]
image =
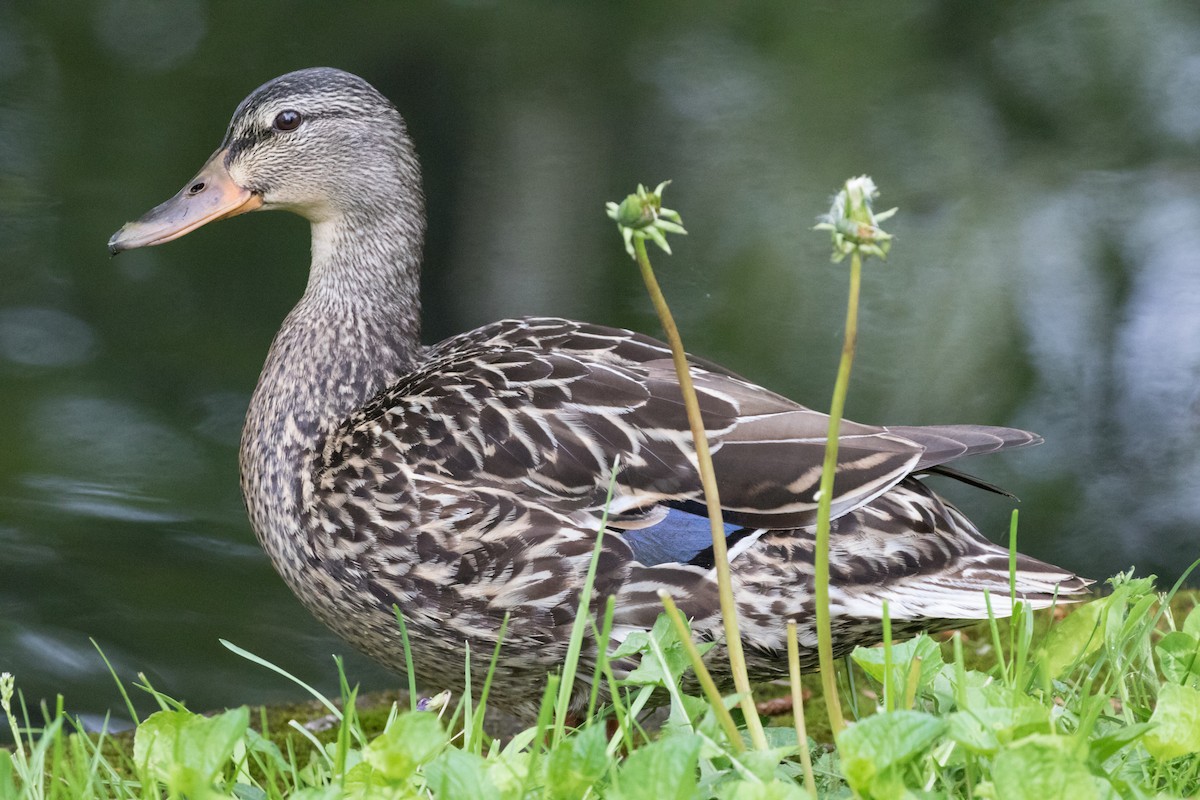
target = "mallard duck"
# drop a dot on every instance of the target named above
(465, 481)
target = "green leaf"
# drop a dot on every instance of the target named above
(665, 769)
(872, 661)
(412, 740)
(1105, 746)
(244, 791)
(577, 763)
(185, 750)
(361, 782)
(689, 715)
(1043, 767)
(994, 714)
(459, 775)
(321, 793)
(1179, 658)
(1125, 612)
(944, 687)
(972, 732)
(636, 642)
(649, 672)
(1134, 619)
(508, 771)
(1177, 723)
(779, 738)
(775, 790)
(872, 746)
(8, 788)
(1191, 624)
(763, 764)
(1075, 637)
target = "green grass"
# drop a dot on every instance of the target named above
(1102, 703)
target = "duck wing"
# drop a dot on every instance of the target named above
(543, 407)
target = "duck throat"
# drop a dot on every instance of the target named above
(353, 333)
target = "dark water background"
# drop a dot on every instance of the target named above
(1046, 271)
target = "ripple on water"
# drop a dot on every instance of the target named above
(44, 337)
(104, 723)
(221, 546)
(112, 443)
(101, 501)
(17, 549)
(54, 654)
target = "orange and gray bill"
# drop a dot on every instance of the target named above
(209, 196)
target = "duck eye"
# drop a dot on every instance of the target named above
(287, 120)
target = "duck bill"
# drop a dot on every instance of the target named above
(210, 196)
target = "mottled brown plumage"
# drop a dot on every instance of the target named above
(466, 480)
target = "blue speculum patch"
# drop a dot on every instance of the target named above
(680, 537)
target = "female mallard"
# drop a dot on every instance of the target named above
(466, 480)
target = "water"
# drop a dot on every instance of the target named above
(1045, 273)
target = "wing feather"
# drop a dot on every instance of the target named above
(550, 403)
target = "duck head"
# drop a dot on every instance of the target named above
(319, 142)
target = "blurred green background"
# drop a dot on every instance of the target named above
(1045, 272)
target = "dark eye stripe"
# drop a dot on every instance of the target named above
(245, 143)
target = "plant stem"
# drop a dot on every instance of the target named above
(914, 678)
(733, 641)
(793, 650)
(889, 693)
(702, 675)
(836, 409)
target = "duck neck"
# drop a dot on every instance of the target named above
(353, 333)
(366, 267)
